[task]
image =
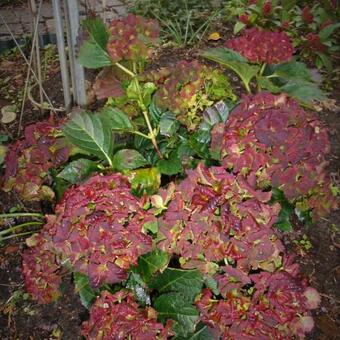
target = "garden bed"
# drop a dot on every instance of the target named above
(315, 246)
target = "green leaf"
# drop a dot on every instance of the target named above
(234, 61)
(145, 181)
(266, 84)
(218, 113)
(86, 293)
(171, 166)
(117, 119)
(173, 306)
(168, 124)
(187, 282)
(92, 53)
(293, 70)
(326, 61)
(97, 30)
(151, 263)
(239, 26)
(90, 133)
(155, 113)
(147, 90)
(139, 288)
(223, 54)
(3, 138)
(211, 283)
(78, 170)
(283, 222)
(327, 31)
(128, 159)
(201, 333)
(303, 90)
(3, 151)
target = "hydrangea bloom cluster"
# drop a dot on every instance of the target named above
(189, 87)
(214, 216)
(41, 271)
(283, 145)
(118, 316)
(277, 306)
(260, 46)
(28, 161)
(98, 226)
(131, 38)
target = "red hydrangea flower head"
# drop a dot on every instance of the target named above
(98, 228)
(277, 307)
(215, 215)
(260, 46)
(132, 38)
(28, 161)
(41, 271)
(282, 144)
(118, 316)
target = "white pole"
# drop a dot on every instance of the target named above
(58, 21)
(79, 75)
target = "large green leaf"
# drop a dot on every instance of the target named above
(117, 119)
(187, 282)
(303, 90)
(90, 133)
(92, 53)
(223, 54)
(151, 263)
(174, 306)
(233, 61)
(292, 71)
(78, 170)
(83, 288)
(128, 159)
(325, 33)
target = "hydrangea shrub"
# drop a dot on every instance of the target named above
(234, 278)
(29, 160)
(273, 142)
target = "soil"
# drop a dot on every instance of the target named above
(23, 319)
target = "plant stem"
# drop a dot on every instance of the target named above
(136, 132)
(126, 70)
(21, 215)
(246, 85)
(152, 135)
(263, 67)
(17, 235)
(10, 230)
